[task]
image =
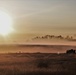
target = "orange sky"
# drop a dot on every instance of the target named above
(41, 17)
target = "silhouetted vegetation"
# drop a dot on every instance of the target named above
(69, 38)
(71, 51)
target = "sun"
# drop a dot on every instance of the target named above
(5, 23)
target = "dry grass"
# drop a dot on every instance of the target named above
(37, 64)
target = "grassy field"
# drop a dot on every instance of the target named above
(37, 64)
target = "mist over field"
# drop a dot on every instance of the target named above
(33, 48)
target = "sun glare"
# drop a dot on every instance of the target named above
(5, 23)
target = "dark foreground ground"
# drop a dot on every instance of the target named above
(37, 64)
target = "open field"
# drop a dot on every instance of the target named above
(37, 64)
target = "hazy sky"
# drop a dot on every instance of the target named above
(42, 16)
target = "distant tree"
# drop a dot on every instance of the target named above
(60, 37)
(71, 37)
(52, 36)
(71, 51)
(67, 37)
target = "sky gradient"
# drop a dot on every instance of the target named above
(42, 16)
